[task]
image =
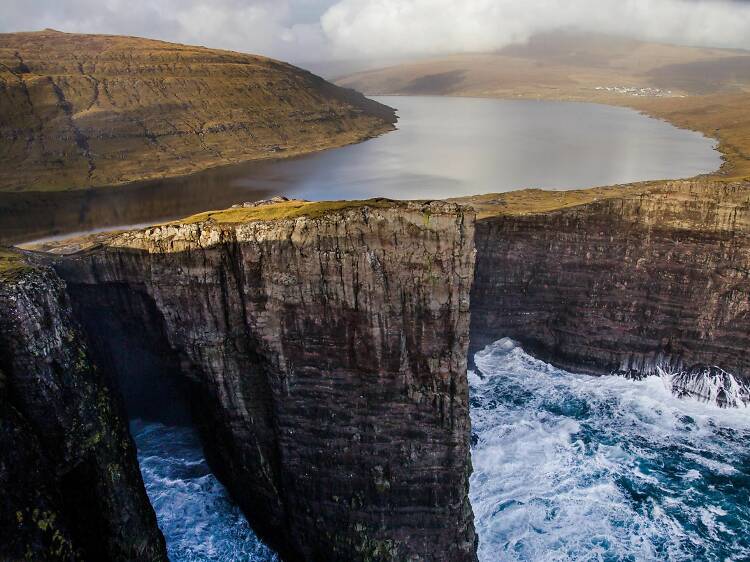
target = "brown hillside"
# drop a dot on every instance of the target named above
(565, 66)
(78, 111)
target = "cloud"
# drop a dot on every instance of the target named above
(320, 30)
(280, 28)
(371, 28)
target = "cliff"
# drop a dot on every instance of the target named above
(71, 487)
(79, 111)
(627, 279)
(324, 349)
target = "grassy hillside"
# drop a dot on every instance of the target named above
(78, 111)
(566, 66)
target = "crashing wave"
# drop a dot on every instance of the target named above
(709, 384)
(573, 467)
(701, 382)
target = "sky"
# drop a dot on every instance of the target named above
(333, 30)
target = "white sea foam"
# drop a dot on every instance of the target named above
(709, 384)
(199, 521)
(572, 467)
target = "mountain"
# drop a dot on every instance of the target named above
(80, 111)
(564, 65)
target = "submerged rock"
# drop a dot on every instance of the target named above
(710, 384)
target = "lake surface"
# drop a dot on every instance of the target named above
(444, 147)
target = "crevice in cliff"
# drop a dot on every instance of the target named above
(325, 362)
(156, 383)
(81, 140)
(128, 340)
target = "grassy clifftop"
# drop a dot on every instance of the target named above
(12, 263)
(699, 205)
(80, 111)
(285, 210)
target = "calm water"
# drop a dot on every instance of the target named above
(447, 147)
(444, 147)
(570, 467)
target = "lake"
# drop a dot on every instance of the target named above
(444, 147)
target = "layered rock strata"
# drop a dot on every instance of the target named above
(80, 111)
(630, 281)
(325, 353)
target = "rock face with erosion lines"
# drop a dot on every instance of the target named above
(323, 350)
(80, 111)
(325, 355)
(636, 280)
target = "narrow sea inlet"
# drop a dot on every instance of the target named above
(566, 467)
(199, 520)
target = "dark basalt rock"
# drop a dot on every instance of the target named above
(71, 486)
(324, 356)
(710, 384)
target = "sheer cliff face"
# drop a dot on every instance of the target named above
(632, 280)
(327, 363)
(78, 111)
(71, 487)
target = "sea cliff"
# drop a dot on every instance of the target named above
(71, 487)
(323, 347)
(635, 280)
(324, 351)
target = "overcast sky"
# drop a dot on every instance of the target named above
(326, 30)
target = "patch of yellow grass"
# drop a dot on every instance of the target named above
(535, 201)
(285, 210)
(11, 263)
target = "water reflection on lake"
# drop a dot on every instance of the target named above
(445, 147)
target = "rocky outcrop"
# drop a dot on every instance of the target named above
(79, 111)
(632, 281)
(71, 487)
(325, 354)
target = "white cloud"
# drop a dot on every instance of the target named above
(316, 30)
(281, 28)
(391, 27)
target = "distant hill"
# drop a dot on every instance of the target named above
(703, 89)
(565, 65)
(78, 111)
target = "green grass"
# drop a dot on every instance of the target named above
(11, 264)
(285, 210)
